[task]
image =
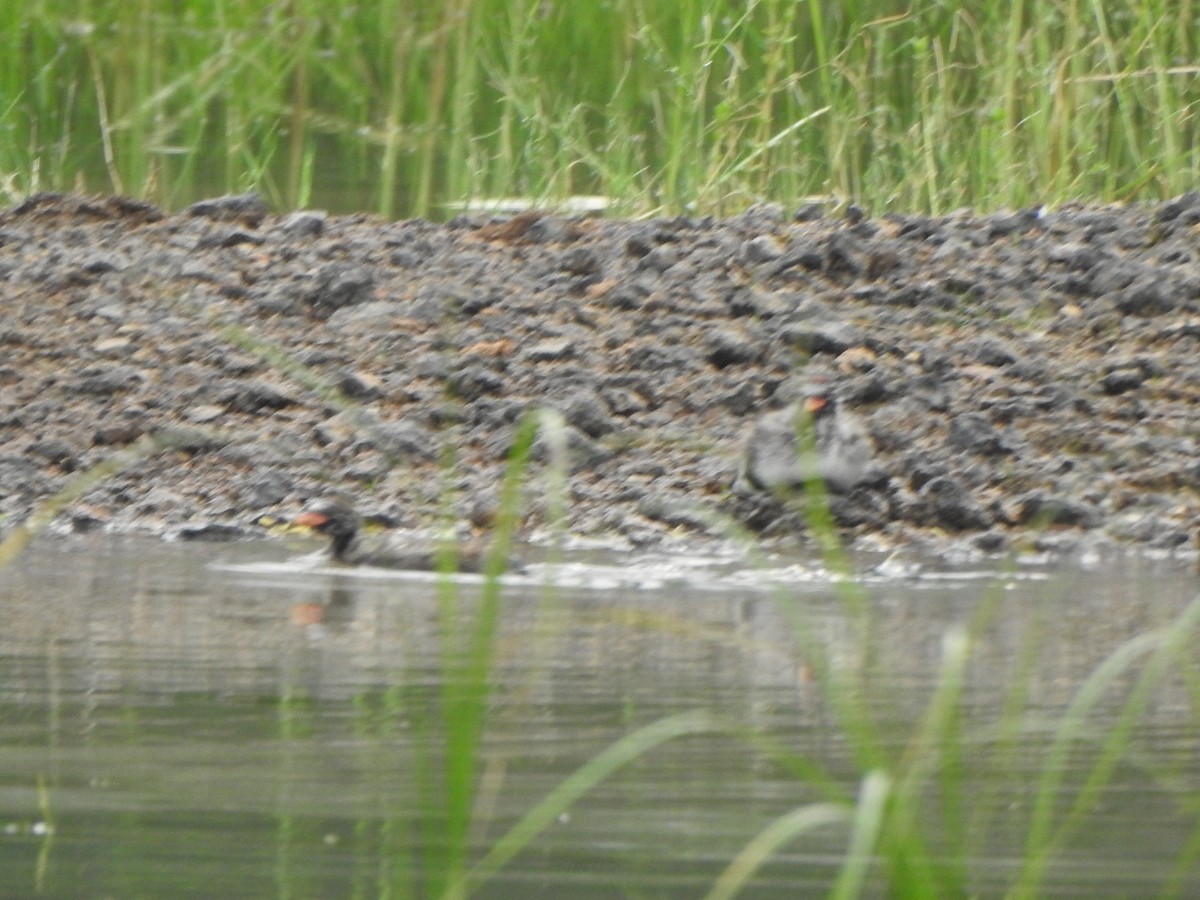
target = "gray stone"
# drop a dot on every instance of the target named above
(248, 208)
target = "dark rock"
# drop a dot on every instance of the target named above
(868, 388)
(803, 253)
(489, 414)
(945, 503)
(20, 474)
(763, 513)
(473, 381)
(992, 352)
(1122, 380)
(754, 301)
(741, 400)
(549, 230)
(366, 466)
(622, 401)
(864, 229)
(654, 359)
(1076, 256)
(1006, 224)
(1053, 396)
(213, 531)
(304, 224)
(925, 294)
(581, 261)
(864, 507)
(337, 285)
(403, 440)
(277, 299)
(951, 252)
(56, 451)
(588, 412)
(124, 432)
(1170, 537)
(448, 301)
(189, 440)
(105, 380)
(727, 347)
(50, 205)
(360, 385)
(1111, 276)
(582, 451)
(810, 212)
(270, 489)
(843, 255)
(436, 366)
(993, 541)
(86, 523)
(762, 249)
(1150, 366)
(227, 237)
(973, 433)
(1040, 509)
(1147, 296)
(639, 243)
(1170, 210)
(257, 397)
(99, 263)
(821, 337)
(659, 259)
(855, 214)
(247, 208)
(627, 295)
(674, 510)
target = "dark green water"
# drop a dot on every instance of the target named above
(210, 720)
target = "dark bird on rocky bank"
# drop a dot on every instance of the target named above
(807, 439)
(349, 546)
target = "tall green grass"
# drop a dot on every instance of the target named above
(702, 105)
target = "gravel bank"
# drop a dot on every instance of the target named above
(1029, 375)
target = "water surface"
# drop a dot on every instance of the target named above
(218, 720)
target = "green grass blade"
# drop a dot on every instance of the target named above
(1160, 648)
(784, 829)
(630, 747)
(869, 820)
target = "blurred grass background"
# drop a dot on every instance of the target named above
(702, 106)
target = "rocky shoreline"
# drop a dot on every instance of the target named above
(1024, 377)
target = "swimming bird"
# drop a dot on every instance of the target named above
(779, 456)
(342, 524)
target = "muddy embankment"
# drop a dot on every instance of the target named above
(1029, 375)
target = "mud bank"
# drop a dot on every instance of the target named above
(1029, 375)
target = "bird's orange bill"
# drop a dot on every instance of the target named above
(311, 519)
(815, 404)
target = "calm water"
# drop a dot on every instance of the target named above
(192, 720)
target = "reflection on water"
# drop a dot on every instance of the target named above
(216, 720)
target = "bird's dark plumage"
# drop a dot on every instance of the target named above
(347, 545)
